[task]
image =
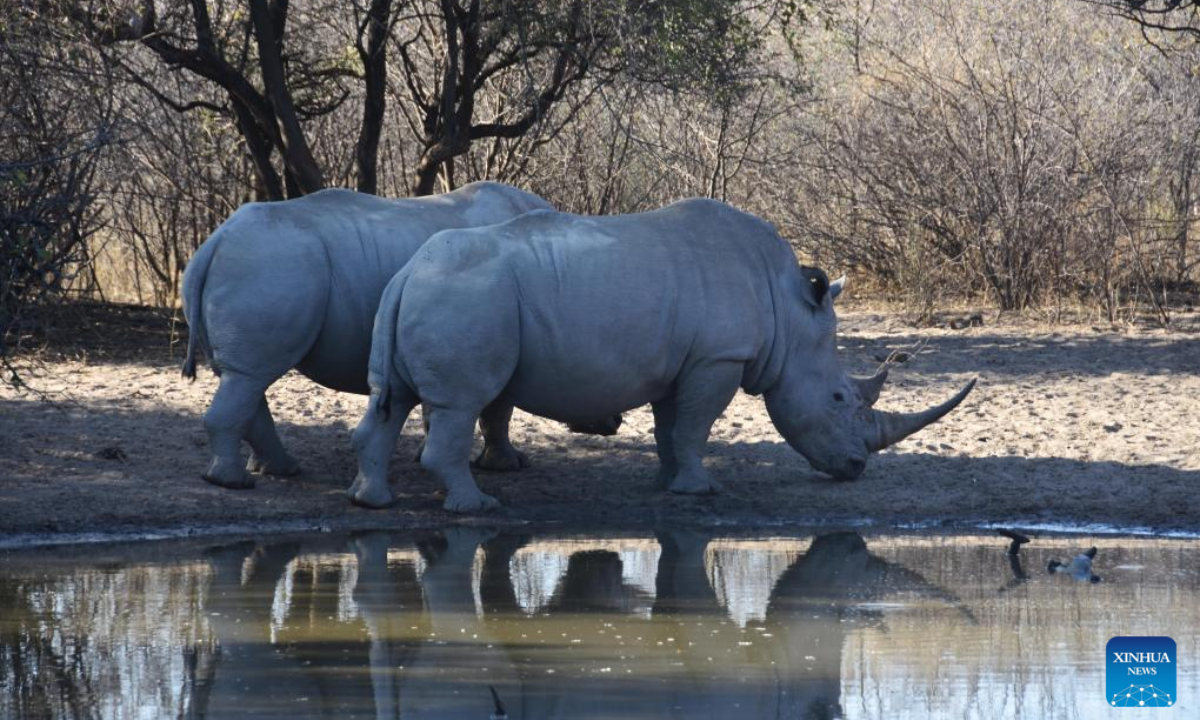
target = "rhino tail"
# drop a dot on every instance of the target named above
(382, 367)
(194, 277)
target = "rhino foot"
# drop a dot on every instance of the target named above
(686, 483)
(501, 459)
(229, 474)
(362, 493)
(287, 466)
(468, 501)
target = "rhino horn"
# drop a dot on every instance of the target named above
(870, 387)
(836, 287)
(891, 428)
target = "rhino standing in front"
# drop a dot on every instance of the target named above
(295, 284)
(574, 318)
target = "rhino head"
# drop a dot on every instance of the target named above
(827, 415)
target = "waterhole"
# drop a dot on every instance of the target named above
(467, 622)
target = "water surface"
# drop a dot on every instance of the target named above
(675, 624)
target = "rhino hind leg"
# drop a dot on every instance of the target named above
(664, 425)
(700, 398)
(498, 454)
(374, 440)
(228, 421)
(425, 425)
(447, 453)
(268, 456)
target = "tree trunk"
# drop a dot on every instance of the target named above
(267, 19)
(448, 127)
(260, 151)
(427, 175)
(374, 59)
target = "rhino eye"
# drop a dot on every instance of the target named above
(839, 397)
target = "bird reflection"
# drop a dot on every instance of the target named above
(1013, 554)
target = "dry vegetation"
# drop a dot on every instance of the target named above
(1024, 156)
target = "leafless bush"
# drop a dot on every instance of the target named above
(53, 128)
(178, 178)
(1027, 155)
(986, 146)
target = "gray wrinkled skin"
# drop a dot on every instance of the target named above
(575, 318)
(296, 284)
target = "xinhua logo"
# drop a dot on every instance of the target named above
(1140, 672)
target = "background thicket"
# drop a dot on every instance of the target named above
(1022, 155)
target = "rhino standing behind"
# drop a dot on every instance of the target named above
(295, 284)
(574, 318)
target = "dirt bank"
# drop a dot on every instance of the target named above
(1078, 425)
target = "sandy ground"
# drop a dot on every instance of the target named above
(1078, 425)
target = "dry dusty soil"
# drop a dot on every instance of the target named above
(1069, 424)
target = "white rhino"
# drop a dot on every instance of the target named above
(572, 318)
(295, 284)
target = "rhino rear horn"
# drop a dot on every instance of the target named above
(891, 427)
(870, 387)
(836, 287)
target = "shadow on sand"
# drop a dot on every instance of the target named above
(60, 481)
(1039, 353)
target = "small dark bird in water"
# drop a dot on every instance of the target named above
(1080, 568)
(499, 713)
(1017, 540)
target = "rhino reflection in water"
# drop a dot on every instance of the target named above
(249, 669)
(280, 652)
(390, 601)
(576, 318)
(439, 638)
(692, 662)
(807, 607)
(458, 651)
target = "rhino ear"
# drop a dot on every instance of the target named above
(818, 283)
(836, 287)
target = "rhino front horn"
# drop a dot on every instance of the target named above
(891, 428)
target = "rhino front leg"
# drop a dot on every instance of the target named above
(498, 454)
(373, 441)
(700, 398)
(268, 455)
(447, 454)
(227, 421)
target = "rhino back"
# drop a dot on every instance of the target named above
(613, 309)
(309, 272)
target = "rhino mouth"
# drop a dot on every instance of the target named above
(849, 469)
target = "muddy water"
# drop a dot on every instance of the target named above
(673, 624)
